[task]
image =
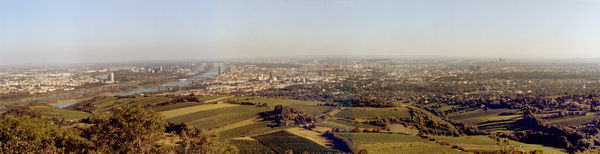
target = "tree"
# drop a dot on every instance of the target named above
(196, 141)
(34, 135)
(128, 130)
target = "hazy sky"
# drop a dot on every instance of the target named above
(74, 31)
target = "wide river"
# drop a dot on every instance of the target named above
(194, 77)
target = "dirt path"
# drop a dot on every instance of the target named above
(334, 112)
(192, 109)
(245, 138)
(311, 135)
(217, 99)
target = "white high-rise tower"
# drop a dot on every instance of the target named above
(111, 78)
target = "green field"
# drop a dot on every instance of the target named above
(485, 143)
(106, 103)
(573, 120)
(370, 138)
(251, 146)
(314, 110)
(210, 119)
(335, 123)
(274, 101)
(395, 143)
(281, 141)
(248, 130)
(53, 112)
(175, 106)
(479, 116)
(240, 125)
(309, 107)
(409, 147)
(372, 113)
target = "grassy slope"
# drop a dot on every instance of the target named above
(394, 143)
(309, 107)
(251, 146)
(215, 117)
(53, 112)
(232, 117)
(372, 113)
(479, 116)
(282, 140)
(485, 143)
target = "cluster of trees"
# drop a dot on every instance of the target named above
(286, 115)
(331, 104)
(340, 142)
(554, 135)
(371, 102)
(247, 103)
(123, 130)
(34, 135)
(175, 99)
(20, 111)
(86, 105)
(429, 124)
(478, 92)
(551, 92)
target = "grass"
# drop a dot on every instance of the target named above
(395, 143)
(282, 140)
(479, 116)
(409, 147)
(175, 106)
(250, 146)
(509, 124)
(216, 116)
(372, 113)
(371, 138)
(275, 101)
(314, 110)
(247, 130)
(573, 120)
(238, 124)
(399, 128)
(222, 120)
(332, 123)
(309, 107)
(53, 112)
(208, 98)
(485, 143)
(192, 109)
(311, 135)
(105, 104)
(150, 100)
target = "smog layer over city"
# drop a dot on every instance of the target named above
(297, 76)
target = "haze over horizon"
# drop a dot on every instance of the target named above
(51, 32)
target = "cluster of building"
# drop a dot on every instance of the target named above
(46, 80)
(34, 82)
(260, 75)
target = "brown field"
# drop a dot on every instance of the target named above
(311, 135)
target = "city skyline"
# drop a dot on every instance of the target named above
(115, 31)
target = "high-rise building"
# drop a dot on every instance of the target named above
(219, 69)
(111, 78)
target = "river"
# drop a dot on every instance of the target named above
(210, 74)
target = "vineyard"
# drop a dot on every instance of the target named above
(239, 121)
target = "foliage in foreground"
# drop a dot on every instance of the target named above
(123, 130)
(28, 135)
